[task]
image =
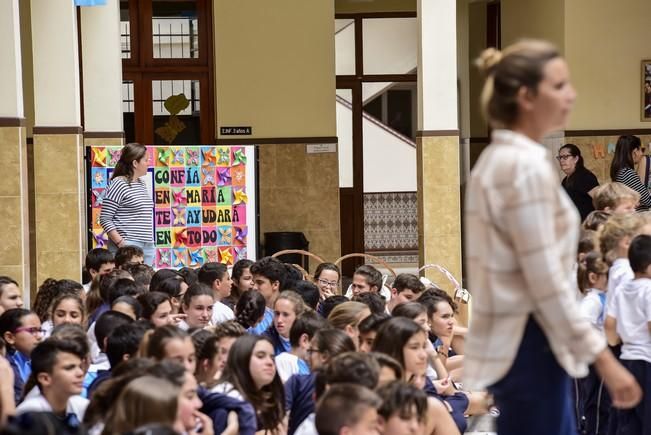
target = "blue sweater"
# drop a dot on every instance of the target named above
(218, 405)
(299, 399)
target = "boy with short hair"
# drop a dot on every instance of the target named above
(616, 198)
(403, 410)
(629, 320)
(269, 276)
(302, 330)
(128, 255)
(215, 276)
(405, 288)
(57, 370)
(226, 334)
(99, 261)
(368, 329)
(347, 409)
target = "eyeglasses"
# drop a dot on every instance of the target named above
(563, 157)
(34, 330)
(327, 283)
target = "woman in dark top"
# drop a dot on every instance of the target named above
(579, 182)
(628, 153)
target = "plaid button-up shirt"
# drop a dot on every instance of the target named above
(521, 242)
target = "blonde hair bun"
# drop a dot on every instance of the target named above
(488, 59)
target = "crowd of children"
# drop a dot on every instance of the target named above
(263, 348)
(260, 348)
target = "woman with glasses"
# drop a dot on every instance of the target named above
(326, 278)
(628, 154)
(21, 330)
(579, 182)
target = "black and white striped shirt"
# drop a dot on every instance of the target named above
(630, 178)
(128, 208)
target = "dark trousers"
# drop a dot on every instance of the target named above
(593, 404)
(534, 397)
(637, 421)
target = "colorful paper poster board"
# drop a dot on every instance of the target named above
(204, 202)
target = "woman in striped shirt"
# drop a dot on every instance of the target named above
(628, 153)
(127, 209)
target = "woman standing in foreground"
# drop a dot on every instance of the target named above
(526, 333)
(128, 208)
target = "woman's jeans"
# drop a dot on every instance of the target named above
(534, 397)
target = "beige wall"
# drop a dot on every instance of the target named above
(271, 55)
(355, 6)
(605, 42)
(533, 19)
(300, 192)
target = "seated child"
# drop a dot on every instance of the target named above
(295, 361)
(616, 198)
(629, 320)
(347, 409)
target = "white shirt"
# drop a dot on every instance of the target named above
(592, 308)
(221, 313)
(228, 389)
(35, 402)
(183, 325)
(94, 347)
(307, 427)
(631, 307)
(286, 365)
(619, 273)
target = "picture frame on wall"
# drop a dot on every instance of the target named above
(645, 104)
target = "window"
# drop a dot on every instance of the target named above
(167, 71)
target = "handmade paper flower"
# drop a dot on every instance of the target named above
(99, 178)
(179, 197)
(178, 258)
(241, 233)
(193, 158)
(226, 256)
(195, 256)
(239, 158)
(99, 158)
(240, 253)
(115, 156)
(164, 155)
(224, 176)
(180, 237)
(208, 176)
(163, 258)
(240, 197)
(178, 156)
(100, 239)
(212, 256)
(178, 215)
(225, 235)
(208, 156)
(99, 196)
(224, 156)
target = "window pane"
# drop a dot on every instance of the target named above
(128, 114)
(175, 29)
(345, 136)
(345, 46)
(125, 30)
(176, 112)
(390, 45)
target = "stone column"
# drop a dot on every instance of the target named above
(439, 203)
(58, 151)
(14, 255)
(102, 74)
